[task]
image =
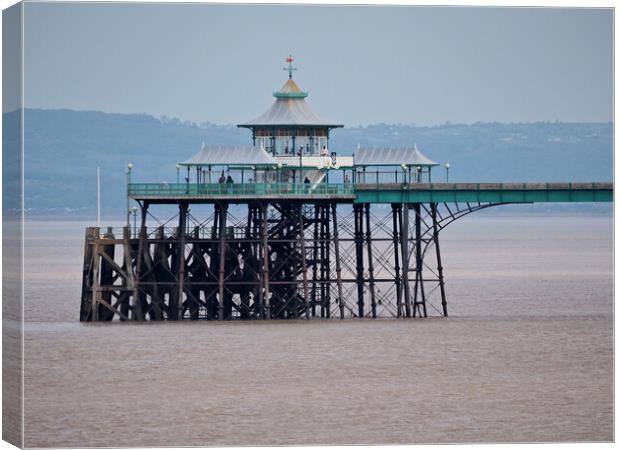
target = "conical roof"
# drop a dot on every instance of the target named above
(290, 108)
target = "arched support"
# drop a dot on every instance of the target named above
(430, 220)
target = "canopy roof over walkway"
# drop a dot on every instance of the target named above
(239, 156)
(409, 156)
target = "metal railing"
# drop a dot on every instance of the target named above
(164, 190)
(529, 186)
(236, 189)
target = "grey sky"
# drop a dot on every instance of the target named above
(363, 64)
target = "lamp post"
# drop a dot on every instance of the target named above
(301, 164)
(129, 168)
(404, 167)
(447, 166)
(134, 210)
(418, 169)
(178, 173)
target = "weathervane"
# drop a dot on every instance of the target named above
(290, 67)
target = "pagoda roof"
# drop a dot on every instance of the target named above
(410, 156)
(290, 108)
(245, 155)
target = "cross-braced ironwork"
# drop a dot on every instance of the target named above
(271, 260)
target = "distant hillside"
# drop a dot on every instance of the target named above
(63, 149)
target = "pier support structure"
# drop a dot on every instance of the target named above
(271, 260)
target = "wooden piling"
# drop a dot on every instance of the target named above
(130, 306)
(96, 287)
(138, 311)
(87, 276)
(107, 268)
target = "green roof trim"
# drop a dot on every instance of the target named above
(280, 94)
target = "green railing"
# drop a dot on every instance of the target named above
(234, 189)
(388, 192)
(484, 192)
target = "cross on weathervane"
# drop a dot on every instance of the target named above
(290, 67)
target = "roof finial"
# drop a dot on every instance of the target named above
(290, 67)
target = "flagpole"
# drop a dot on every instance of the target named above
(98, 200)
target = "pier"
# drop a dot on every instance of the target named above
(287, 229)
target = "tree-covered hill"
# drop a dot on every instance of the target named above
(63, 149)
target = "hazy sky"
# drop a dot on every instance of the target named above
(363, 64)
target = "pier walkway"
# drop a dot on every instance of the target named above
(375, 193)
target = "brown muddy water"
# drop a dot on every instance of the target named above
(526, 355)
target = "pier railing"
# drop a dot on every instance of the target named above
(383, 192)
(236, 189)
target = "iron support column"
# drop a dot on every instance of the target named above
(371, 275)
(395, 238)
(304, 267)
(404, 246)
(223, 214)
(265, 246)
(337, 255)
(442, 290)
(181, 259)
(315, 257)
(96, 287)
(322, 275)
(328, 275)
(258, 302)
(359, 254)
(419, 280)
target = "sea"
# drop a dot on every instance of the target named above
(526, 354)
